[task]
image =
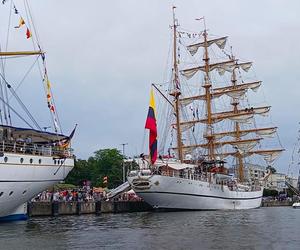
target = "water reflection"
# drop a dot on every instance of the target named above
(265, 228)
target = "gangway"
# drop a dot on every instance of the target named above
(118, 190)
(295, 190)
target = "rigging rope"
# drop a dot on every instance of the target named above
(7, 38)
(20, 102)
(26, 74)
(16, 112)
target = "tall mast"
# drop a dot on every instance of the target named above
(176, 93)
(235, 103)
(207, 85)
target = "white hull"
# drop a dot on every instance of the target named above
(296, 205)
(19, 182)
(165, 192)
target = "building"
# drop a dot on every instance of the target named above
(255, 172)
(276, 181)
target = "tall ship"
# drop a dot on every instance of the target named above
(206, 136)
(31, 157)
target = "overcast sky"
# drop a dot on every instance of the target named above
(103, 55)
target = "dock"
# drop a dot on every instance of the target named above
(77, 208)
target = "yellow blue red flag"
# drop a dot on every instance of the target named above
(151, 125)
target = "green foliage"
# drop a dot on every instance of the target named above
(63, 186)
(105, 162)
(270, 192)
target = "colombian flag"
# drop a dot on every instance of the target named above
(151, 125)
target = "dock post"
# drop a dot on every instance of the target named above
(98, 207)
(55, 208)
(78, 207)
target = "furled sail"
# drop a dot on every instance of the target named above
(270, 154)
(267, 132)
(220, 42)
(245, 146)
(262, 111)
(269, 157)
(221, 67)
(226, 65)
(238, 94)
(245, 66)
(251, 85)
(242, 116)
(245, 118)
(240, 144)
(237, 91)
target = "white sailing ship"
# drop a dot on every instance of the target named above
(212, 125)
(31, 159)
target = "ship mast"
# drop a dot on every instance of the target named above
(244, 147)
(176, 91)
(235, 103)
(207, 86)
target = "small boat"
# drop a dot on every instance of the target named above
(296, 205)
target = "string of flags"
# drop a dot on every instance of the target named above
(50, 102)
(183, 34)
(49, 98)
(21, 21)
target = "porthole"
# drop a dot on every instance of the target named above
(31, 160)
(54, 161)
(5, 159)
(21, 160)
(24, 191)
(10, 193)
(1, 194)
(40, 161)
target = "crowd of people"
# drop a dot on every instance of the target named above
(84, 194)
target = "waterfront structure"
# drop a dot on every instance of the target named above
(31, 159)
(277, 181)
(255, 173)
(210, 127)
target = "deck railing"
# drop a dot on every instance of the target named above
(36, 149)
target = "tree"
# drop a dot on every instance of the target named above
(105, 162)
(270, 192)
(79, 173)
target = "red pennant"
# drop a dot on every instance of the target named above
(28, 33)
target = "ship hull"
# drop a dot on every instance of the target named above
(20, 182)
(165, 192)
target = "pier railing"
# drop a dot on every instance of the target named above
(36, 149)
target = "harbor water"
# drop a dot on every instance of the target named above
(264, 228)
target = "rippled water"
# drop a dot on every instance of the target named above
(264, 228)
